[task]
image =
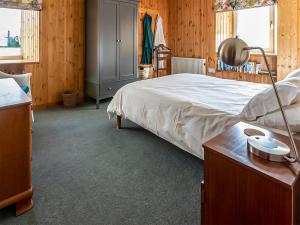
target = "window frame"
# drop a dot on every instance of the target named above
(272, 30)
(31, 54)
(12, 57)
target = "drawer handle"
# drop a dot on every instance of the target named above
(109, 88)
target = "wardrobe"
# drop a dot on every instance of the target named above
(111, 46)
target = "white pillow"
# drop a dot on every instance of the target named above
(275, 120)
(294, 74)
(296, 82)
(266, 102)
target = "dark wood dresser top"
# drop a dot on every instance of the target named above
(232, 144)
(11, 94)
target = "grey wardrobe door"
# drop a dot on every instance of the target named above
(128, 44)
(109, 36)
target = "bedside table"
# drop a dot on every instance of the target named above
(240, 188)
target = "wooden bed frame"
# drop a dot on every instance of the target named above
(119, 122)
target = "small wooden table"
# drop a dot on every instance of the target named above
(240, 188)
(15, 147)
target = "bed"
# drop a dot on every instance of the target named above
(185, 109)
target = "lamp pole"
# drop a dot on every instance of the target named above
(290, 158)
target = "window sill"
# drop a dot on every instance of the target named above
(17, 61)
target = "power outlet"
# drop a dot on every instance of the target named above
(211, 70)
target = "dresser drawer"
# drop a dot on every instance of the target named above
(109, 89)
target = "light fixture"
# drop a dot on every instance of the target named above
(235, 52)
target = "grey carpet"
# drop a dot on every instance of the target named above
(87, 172)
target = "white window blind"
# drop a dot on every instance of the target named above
(224, 27)
(30, 34)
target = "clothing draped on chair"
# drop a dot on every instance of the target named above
(148, 42)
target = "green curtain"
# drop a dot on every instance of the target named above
(148, 41)
(231, 5)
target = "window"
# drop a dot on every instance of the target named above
(256, 26)
(19, 35)
(10, 32)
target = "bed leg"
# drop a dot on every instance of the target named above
(119, 122)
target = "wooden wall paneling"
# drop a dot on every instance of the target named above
(81, 48)
(189, 28)
(39, 79)
(192, 29)
(196, 12)
(69, 49)
(175, 35)
(142, 11)
(56, 73)
(288, 37)
(204, 26)
(172, 26)
(56, 50)
(74, 46)
(198, 17)
(298, 33)
(211, 34)
(12, 69)
(187, 24)
(153, 8)
(61, 65)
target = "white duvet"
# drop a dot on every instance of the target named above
(185, 109)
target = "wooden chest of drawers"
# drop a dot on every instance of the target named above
(15, 147)
(242, 189)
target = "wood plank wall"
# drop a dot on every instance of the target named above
(153, 8)
(189, 27)
(192, 33)
(288, 37)
(192, 29)
(61, 65)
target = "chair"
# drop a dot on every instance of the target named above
(23, 80)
